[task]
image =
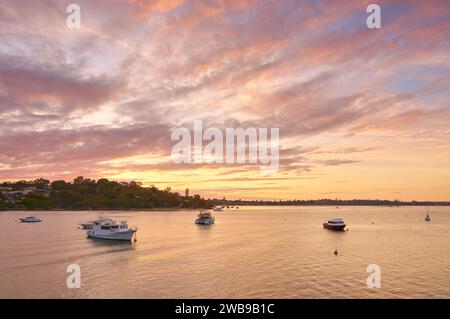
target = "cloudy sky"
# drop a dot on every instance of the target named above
(362, 113)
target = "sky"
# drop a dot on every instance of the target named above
(362, 113)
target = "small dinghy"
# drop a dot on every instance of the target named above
(90, 224)
(30, 219)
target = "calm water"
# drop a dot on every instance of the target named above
(269, 252)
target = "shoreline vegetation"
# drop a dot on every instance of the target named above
(88, 194)
(103, 194)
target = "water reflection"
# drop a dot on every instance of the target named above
(261, 252)
(111, 243)
(204, 227)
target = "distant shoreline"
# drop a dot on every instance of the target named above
(100, 210)
(85, 194)
(330, 202)
(232, 209)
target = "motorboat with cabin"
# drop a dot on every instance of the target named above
(111, 230)
(334, 224)
(30, 219)
(204, 218)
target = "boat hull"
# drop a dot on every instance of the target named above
(204, 222)
(29, 221)
(122, 236)
(334, 227)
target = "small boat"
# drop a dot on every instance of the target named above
(204, 218)
(428, 218)
(334, 224)
(218, 209)
(30, 219)
(109, 229)
(89, 224)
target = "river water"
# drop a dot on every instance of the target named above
(251, 252)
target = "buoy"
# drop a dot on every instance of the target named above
(336, 252)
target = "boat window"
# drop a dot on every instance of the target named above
(106, 227)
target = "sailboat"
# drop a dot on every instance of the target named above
(428, 218)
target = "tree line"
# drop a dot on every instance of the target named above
(88, 194)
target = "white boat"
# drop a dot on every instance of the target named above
(218, 209)
(204, 218)
(90, 224)
(30, 219)
(334, 224)
(109, 229)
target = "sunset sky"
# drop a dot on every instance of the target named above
(362, 113)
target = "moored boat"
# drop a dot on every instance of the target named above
(334, 224)
(109, 229)
(30, 219)
(204, 218)
(89, 224)
(428, 218)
